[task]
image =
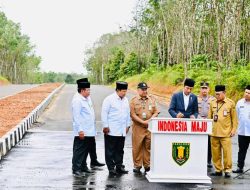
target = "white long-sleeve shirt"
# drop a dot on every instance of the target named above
(186, 100)
(83, 116)
(116, 114)
(243, 112)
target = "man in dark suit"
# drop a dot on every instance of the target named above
(184, 104)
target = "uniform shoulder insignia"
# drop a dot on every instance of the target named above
(134, 99)
(213, 100)
(151, 96)
(231, 101)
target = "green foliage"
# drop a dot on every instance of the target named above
(69, 79)
(235, 79)
(2, 79)
(171, 40)
(199, 60)
(50, 77)
(18, 62)
(113, 67)
(47, 77)
(130, 65)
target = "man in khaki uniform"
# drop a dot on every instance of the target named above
(204, 100)
(142, 108)
(222, 111)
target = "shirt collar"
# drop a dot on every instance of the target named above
(184, 95)
(245, 101)
(224, 101)
(82, 97)
(205, 98)
(118, 97)
(140, 98)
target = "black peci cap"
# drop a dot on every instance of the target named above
(189, 82)
(82, 80)
(83, 85)
(121, 85)
(219, 88)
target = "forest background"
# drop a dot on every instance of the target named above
(167, 41)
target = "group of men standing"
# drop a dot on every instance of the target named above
(226, 118)
(116, 116)
(117, 113)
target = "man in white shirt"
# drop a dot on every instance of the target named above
(116, 122)
(243, 112)
(83, 127)
(92, 150)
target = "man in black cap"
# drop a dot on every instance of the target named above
(204, 100)
(116, 123)
(92, 151)
(142, 107)
(184, 104)
(243, 112)
(83, 128)
(222, 111)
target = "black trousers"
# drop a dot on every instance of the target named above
(114, 151)
(81, 148)
(209, 153)
(243, 146)
(92, 152)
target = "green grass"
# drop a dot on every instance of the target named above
(235, 79)
(3, 79)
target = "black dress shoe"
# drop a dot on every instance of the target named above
(96, 164)
(216, 174)
(209, 165)
(147, 169)
(86, 170)
(227, 175)
(121, 170)
(137, 170)
(78, 174)
(112, 172)
(238, 171)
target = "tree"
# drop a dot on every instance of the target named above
(69, 79)
(18, 61)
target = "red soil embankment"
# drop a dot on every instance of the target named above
(13, 109)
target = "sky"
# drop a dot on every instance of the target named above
(62, 29)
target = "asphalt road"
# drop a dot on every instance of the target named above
(42, 160)
(7, 90)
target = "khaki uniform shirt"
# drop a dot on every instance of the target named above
(204, 105)
(227, 118)
(144, 109)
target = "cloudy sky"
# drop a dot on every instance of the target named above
(62, 29)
